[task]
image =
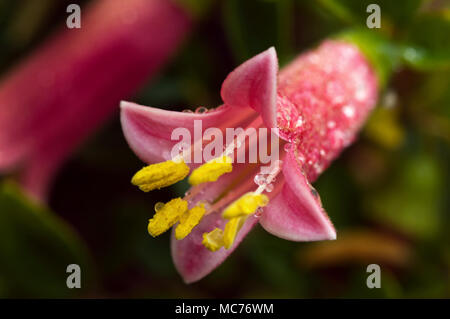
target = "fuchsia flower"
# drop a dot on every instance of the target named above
(52, 101)
(318, 103)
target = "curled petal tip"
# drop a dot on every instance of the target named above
(125, 104)
(296, 213)
(254, 84)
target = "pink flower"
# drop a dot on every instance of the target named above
(318, 103)
(59, 95)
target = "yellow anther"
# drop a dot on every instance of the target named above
(231, 230)
(166, 216)
(245, 205)
(189, 220)
(211, 171)
(160, 175)
(213, 240)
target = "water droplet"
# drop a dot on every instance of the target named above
(361, 94)
(259, 179)
(348, 111)
(315, 194)
(331, 124)
(322, 153)
(318, 168)
(187, 111)
(313, 191)
(206, 204)
(269, 188)
(158, 206)
(301, 158)
(201, 110)
(299, 122)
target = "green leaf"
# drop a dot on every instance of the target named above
(35, 249)
(411, 202)
(427, 42)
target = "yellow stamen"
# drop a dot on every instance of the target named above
(189, 220)
(213, 240)
(160, 175)
(211, 171)
(166, 216)
(231, 230)
(245, 205)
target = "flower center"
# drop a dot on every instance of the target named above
(239, 197)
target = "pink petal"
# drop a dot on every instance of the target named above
(325, 95)
(148, 130)
(41, 169)
(296, 213)
(192, 260)
(254, 84)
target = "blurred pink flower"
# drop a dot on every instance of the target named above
(60, 94)
(318, 103)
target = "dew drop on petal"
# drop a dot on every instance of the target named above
(259, 179)
(318, 168)
(301, 158)
(299, 122)
(348, 111)
(361, 94)
(158, 206)
(331, 124)
(201, 110)
(269, 188)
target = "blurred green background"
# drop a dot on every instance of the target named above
(388, 194)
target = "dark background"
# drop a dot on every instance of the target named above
(387, 194)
